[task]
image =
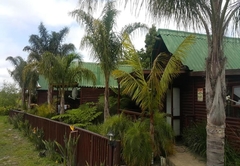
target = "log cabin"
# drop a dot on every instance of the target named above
(85, 90)
(185, 100)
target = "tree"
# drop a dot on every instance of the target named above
(65, 71)
(48, 42)
(105, 44)
(30, 75)
(149, 93)
(8, 95)
(17, 74)
(150, 40)
(215, 17)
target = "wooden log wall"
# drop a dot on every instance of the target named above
(193, 111)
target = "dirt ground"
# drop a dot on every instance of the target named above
(184, 157)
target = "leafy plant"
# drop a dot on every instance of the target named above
(112, 104)
(163, 135)
(68, 151)
(118, 124)
(4, 110)
(137, 147)
(16, 119)
(51, 152)
(37, 138)
(81, 117)
(25, 128)
(8, 96)
(232, 158)
(96, 128)
(20, 150)
(44, 110)
(194, 138)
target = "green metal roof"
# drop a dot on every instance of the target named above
(100, 83)
(42, 83)
(95, 68)
(195, 59)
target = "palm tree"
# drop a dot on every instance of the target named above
(105, 44)
(17, 74)
(64, 72)
(149, 93)
(48, 42)
(30, 76)
(215, 17)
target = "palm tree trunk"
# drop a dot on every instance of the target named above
(23, 98)
(29, 99)
(215, 103)
(49, 97)
(106, 99)
(62, 102)
(152, 134)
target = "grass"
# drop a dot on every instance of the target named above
(17, 150)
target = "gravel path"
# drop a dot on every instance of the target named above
(185, 158)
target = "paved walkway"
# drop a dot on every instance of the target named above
(185, 158)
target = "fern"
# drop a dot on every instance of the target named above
(80, 117)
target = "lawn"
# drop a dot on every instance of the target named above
(17, 150)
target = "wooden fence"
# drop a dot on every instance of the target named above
(92, 149)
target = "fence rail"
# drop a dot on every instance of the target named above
(92, 149)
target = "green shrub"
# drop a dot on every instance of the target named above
(80, 117)
(232, 158)
(96, 128)
(118, 124)
(8, 95)
(137, 147)
(163, 135)
(5, 110)
(16, 119)
(112, 106)
(43, 110)
(194, 138)
(25, 128)
(136, 139)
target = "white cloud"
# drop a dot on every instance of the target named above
(4, 75)
(55, 13)
(21, 18)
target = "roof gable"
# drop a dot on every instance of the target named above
(195, 59)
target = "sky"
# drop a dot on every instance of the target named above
(20, 18)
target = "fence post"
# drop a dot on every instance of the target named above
(116, 154)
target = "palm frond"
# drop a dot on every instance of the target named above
(130, 28)
(109, 15)
(17, 73)
(83, 18)
(174, 64)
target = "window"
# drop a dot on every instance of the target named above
(233, 105)
(236, 95)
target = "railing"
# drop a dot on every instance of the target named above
(132, 114)
(92, 149)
